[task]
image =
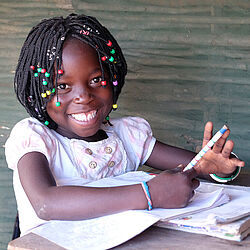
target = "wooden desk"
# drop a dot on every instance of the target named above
(152, 238)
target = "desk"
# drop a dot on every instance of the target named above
(152, 238)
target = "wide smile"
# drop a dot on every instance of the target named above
(84, 117)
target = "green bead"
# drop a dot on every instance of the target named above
(46, 123)
(111, 59)
(36, 75)
(45, 83)
(47, 74)
(39, 70)
(53, 90)
(58, 104)
(107, 118)
(112, 51)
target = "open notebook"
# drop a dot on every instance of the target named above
(109, 231)
(230, 221)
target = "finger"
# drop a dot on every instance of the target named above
(208, 132)
(178, 169)
(191, 173)
(218, 146)
(228, 148)
(238, 162)
(195, 183)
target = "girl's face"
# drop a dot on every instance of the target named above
(84, 102)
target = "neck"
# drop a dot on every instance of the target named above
(98, 136)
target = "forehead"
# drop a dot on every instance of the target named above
(74, 49)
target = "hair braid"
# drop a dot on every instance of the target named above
(42, 51)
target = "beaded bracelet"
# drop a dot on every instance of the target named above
(230, 178)
(147, 194)
(226, 179)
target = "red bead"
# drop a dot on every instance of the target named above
(43, 70)
(103, 83)
(60, 71)
(104, 58)
(32, 67)
(109, 43)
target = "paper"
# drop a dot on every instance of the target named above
(230, 221)
(100, 233)
(198, 223)
(109, 231)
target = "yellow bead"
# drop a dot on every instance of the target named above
(115, 106)
(43, 95)
(48, 92)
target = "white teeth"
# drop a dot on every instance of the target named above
(84, 117)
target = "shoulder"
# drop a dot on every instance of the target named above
(30, 127)
(28, 135)
(132, 127)
(130, 122)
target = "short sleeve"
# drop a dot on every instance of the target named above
(27, 136)
(137, 137)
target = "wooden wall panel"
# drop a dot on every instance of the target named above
(188, 63)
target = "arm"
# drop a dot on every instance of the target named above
(72, 202)
(75, 202)
(217, 160)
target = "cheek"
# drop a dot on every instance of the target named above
(51, 106)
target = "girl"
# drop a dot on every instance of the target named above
(69, 76)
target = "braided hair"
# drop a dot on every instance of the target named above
(39, 64)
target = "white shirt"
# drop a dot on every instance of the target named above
(77, 162)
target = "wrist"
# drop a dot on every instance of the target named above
(227, 178)
(145, 189)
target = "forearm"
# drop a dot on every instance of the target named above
(166, 157)
(76, 203)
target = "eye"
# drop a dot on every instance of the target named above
(96, 81)
(62, 86)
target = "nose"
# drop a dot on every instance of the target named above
(82, 96)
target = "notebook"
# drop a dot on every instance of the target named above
(111, 230)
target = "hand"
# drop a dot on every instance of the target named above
(173, 190)
(217, 160)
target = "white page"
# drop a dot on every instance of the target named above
(100, 233)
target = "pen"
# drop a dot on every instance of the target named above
(208, 146)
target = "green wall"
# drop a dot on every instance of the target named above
(188, 63)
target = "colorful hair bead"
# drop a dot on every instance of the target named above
(58, 104)
(35, 74)
(112, 51)
(60, 71)
(115, 83)
(44, 95)
(39, 70)
(53, 90)
(46, 123)
(109, 43)
(43, 71)
(48, 92)
(115, 106)
(111, 59)
(45, 82)
(32, 67)
(104, 58)
(47, 74)
(103, 83)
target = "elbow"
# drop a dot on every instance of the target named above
(42, 211)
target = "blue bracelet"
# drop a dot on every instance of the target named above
(147, 194)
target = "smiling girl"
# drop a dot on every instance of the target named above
(69, 76)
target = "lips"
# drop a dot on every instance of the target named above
(85, 117)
